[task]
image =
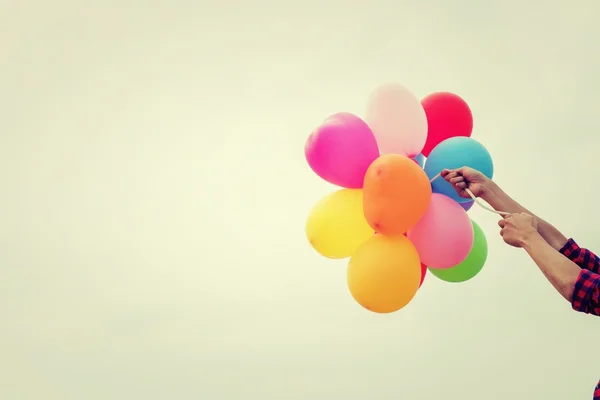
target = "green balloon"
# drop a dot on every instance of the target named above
(471, 265)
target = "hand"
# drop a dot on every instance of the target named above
(466, 178)
(517, 228)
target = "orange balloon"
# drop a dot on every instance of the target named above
(396, 194)
(384, 273)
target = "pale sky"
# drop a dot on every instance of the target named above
(154, 195)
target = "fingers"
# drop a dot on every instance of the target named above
(447, 174)
(452, 175)
(455, 179)
(452, 172)
(503, 224)
(459, 171)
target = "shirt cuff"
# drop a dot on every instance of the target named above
(583, 295)
(569, 247)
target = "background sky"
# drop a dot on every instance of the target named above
(154, 195)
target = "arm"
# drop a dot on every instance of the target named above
(580, 287)
(501, 201)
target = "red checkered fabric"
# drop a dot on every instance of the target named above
(586, 296)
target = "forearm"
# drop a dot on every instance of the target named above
(559, 270)
(501, 201)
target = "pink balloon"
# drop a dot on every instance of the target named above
(341, 150)
(444, 236)
(398, 120)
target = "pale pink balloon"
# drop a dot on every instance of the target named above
(341, 150)
(397, 120)
(444, 236)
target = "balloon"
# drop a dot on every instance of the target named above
(444, 236)
(454, 153)
(448, 116)
(420, 159)
(336, 225)
(341, 150)
(471, 265)
(467, 205)
(383, 275)
(423, 273)
(396, 194)
(397, 119)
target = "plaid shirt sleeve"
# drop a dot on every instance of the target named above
(586, 295)
(580, 256)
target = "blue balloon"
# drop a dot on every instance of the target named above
(420, 159)
(454, 153)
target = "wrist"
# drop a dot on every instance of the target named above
(489, 190)
(530, 239)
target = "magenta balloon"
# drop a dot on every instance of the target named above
(341, 150)
(467, 205)
(444, 236)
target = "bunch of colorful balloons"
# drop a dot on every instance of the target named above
(391, 216)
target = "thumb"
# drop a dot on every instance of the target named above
(462, 170)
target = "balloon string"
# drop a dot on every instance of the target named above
(476, 200)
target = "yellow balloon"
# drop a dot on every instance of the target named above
(384, 273)
(336, 226)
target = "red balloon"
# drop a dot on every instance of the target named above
(423, 273)
(423, 267)
(448, 115)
